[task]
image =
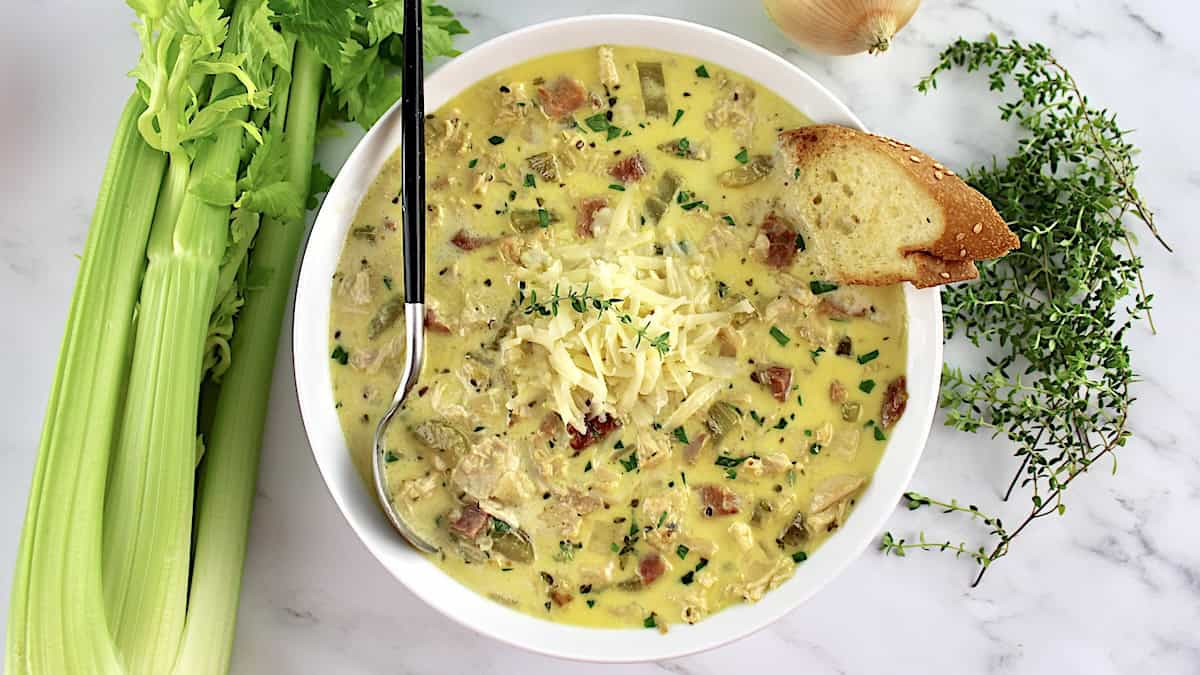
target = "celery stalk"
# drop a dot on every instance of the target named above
(57, 617)
(230, 467)
(148, 513)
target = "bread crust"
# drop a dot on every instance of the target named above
(973, 229)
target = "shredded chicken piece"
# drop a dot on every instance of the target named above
(733, 109)
(743, 535)
(371, 360)
(760, 577)
(776, 462)
(564, 512)
(609, 76)
(512, 104)
(418, 488)
(357, 287)
(447, 134)
(492, 473)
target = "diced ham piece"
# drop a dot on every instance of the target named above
(777, 379)
(562, 97)
(651, 567)
(561, 598)
(469, 242)
(719, 501)
(472, 521)
(597, 429)
(629, 170)
(587, 214)
(895, 399)
(433, 324)
(837, 391)
(782, 241)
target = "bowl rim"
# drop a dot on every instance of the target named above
(311, 364)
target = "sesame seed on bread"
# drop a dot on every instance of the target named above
(877, 211)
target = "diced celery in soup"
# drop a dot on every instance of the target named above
(640, 403)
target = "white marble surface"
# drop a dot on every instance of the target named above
(1112, 588)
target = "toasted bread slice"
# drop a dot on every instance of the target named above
(875, 211)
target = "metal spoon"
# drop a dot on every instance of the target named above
(412, 128)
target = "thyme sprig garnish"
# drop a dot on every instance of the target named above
(582, 302)
(1054, 315)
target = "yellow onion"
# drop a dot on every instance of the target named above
(842, 26)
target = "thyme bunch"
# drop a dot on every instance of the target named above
(1052, 317)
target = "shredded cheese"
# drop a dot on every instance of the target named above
(654, 348)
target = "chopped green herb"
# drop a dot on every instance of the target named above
(866, 386)
(616, 186)
(731, 474)
(471, 164)
(340, 355)
(780, 336)
(390, 457)
(566, 551)
(662, 518)
(816, 353)
(650, 622)
(591, 603)
(597, 122)
(683, 477)
(819, 287)
(722, 289)
(682, 551)
(688, 578)
(701, 71)
(800, 245)
(800, 399)
(742, 156)
(727, 461)
(691, 205)
(681, 435)
(796, 174)
(702, 564)
(729, 219)
(629, 463)
(500, 527)
(869, 356)
(496, 140)
(530, 181)
(678, 116)
(543, 218)
(757, 418)
(387, 282)
(815, 448)
(879, 435)
(799, 556)
(614, 547)
(587, 467)
(614, 132)
(619, 445)
(781, 424)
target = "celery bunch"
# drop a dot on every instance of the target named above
(135, 534)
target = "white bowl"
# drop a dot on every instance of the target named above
(314, 386)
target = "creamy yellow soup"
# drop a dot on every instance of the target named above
(641, 403)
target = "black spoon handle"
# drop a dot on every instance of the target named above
(412, 127)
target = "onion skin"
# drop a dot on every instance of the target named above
(842, 27)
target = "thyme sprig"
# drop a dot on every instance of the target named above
(1053, 316)
(582, 302)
